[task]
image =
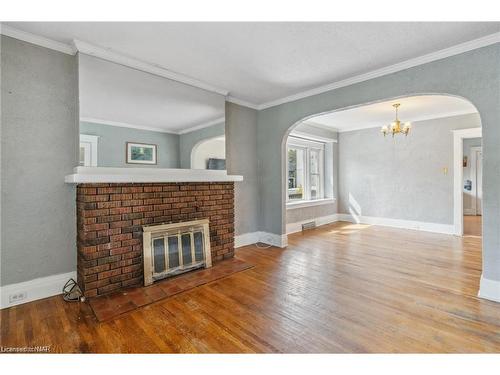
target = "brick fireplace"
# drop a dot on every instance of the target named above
(111, 216)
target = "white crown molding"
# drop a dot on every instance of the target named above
(241, 102)
(110, 55)
(126, 125)
(107, 54)
(202, 126)
(150, 128)
(36, 39)
(424, 59)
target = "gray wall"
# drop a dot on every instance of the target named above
(474, 75)
(467, 144)
(241, 159)
(39, 147)
(294, 215)
(401, 177)
(191, 139)
(113, 139)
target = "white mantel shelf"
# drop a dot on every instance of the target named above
(89, 175)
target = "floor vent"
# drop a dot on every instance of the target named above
(309, 225)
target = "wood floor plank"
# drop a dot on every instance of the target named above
(338, 288)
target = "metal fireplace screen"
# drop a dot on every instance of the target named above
(170, 249)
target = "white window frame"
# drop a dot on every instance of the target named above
(307, 146)
(89, 143)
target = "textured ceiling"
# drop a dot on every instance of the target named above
(262, 62)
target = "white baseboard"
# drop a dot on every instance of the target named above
(469, 211)
(297, 227)
(489, 289)
(246, 239)
(274, 239)
(35, 289)
(397, 223)
(264, 237)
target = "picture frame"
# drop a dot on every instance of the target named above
(141, 153)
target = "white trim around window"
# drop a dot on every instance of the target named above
(89, 145)
(307, 149)
(315, 202)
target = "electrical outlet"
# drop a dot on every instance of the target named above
(16, 297)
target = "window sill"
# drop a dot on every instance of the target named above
(302, 204)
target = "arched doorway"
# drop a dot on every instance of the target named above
(425, 194)
(456, 76)
(209, 153)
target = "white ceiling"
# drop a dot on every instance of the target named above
(264, 62)
(414, 108)
(118, 95)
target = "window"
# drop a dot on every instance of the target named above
(88, 150)
(306, 170)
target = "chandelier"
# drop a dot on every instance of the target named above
(396, 127)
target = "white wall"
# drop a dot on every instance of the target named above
(211, 148)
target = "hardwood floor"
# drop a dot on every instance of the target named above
(339, 288)
(473, 226)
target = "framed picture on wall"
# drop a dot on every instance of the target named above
(141, 153)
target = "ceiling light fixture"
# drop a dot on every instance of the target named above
(395, 126)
